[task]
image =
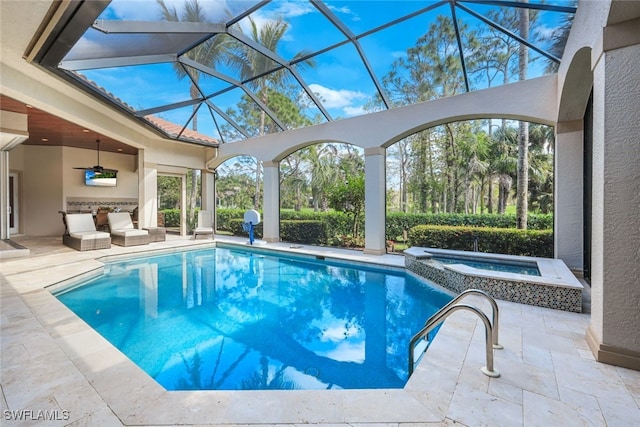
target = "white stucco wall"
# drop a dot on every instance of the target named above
(42, 191)
(568, 198)
(73, 179)
(616, 200)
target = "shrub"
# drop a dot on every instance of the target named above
(510, 241)
(304, 231)
(336, 230)
(171, 217)
(235, 226)
(398, 222)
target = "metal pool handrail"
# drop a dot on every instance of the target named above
(491, 330)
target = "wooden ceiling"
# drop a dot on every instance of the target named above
(47, 129)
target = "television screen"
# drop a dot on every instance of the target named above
(104, 179)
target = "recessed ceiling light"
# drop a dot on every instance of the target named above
(28, 106)
(119, 149)
(86, 130)
(45, 139)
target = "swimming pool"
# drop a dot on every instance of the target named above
(227, 319)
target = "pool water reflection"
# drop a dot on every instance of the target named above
(227, 319)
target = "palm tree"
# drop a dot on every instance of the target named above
(522, 193)
(324, 172)
(503, 162)
(207, 53)
(250, 63)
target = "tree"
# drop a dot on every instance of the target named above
(250, 63)
(169, 192)
(207, 53)
(431, 69)
(522, 193)
(323, 171)
(348, 197)
(559, 39)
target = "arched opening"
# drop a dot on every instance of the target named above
(323, 185)
(464, 173)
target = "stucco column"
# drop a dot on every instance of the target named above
(374, 200)
(147, 192)
(568, 213)
(209, 193)
(4, 194)
(615, 314)
(271, 207)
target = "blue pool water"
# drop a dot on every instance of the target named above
(226, 319)
(493, 266)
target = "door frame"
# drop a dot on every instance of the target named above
(14, 203)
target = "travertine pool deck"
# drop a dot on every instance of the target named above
(53, 364)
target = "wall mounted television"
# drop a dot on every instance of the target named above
(105, 179)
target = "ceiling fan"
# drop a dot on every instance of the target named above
(97, 169)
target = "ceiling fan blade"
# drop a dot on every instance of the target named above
(97, 169)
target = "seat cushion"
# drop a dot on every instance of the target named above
(80, 222)
(89, 235)
(129, 232)
(120, 221)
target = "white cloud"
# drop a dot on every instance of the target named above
(285, 10)
(343, 98)
(354, 111)
(292, 9)
(345, 10)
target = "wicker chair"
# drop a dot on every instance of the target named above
(122, 231)
(205, 224)
(82, 234)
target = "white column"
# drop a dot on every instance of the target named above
(4, 194)
(209, 193)
(569, 187)
(183, 204)
(375, 191)
(271, 206)
(615, 315)
(147, 193)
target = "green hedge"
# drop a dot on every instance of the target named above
(308, 232)
(398, 222)
(511, 241)
(497, 233)
(235, 226)
(338, 222)
(304, 231)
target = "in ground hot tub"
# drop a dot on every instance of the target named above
(554, 286)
